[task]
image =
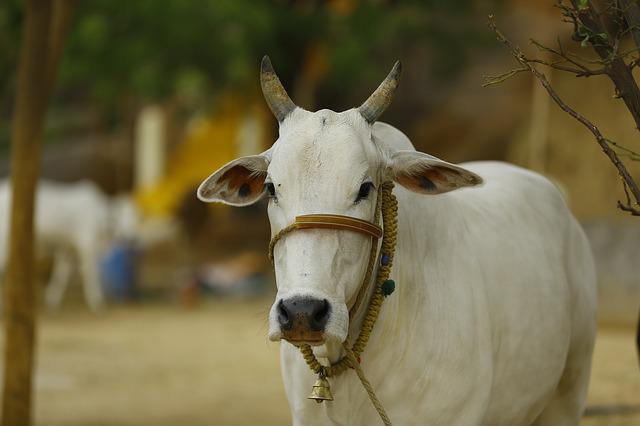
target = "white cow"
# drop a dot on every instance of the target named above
(79, 222)
(493, 319)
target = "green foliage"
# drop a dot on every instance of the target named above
(129, 52)
(150, 48)
(446, 31)
(10, 15)
(583, 5)
(589, 36)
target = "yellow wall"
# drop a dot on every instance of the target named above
(209, 143)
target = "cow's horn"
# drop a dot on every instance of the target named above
(277, 98)
(379, 100)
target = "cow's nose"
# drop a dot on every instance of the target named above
(303, 317)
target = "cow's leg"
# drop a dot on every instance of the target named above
(59, 279)
(567, 405)
(91, 280)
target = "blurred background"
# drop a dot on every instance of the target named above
(155, 308)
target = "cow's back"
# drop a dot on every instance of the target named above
(74, 214)
(71, 212)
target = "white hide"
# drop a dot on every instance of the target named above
(493, 318)
(79, 223)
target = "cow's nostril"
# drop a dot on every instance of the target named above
(322, 311)
(284, 319)
(320, 315)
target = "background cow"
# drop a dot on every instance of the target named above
(78, 223)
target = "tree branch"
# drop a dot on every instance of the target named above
(630, 206)
(631, 12)
(587, 21)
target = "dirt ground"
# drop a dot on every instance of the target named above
(159, 365)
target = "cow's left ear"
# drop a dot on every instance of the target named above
(238, 183)
(426, 174)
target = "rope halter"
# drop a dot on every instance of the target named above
(386, 205)
(327, 221)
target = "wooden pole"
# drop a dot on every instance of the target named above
(45, 25)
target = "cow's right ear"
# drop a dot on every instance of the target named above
(238, 183)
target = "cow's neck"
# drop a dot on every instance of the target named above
(357, 317)
(404, 300)
(406, 306)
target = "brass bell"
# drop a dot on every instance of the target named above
(321, 391)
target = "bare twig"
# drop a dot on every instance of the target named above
(627, 206)
(580, 71)
(627, 152)
(630, 206)
(495, 79)
(605, 61)
(561, 53)
(634, 63)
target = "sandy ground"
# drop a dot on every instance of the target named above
(213, 366)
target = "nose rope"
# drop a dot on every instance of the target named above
(383, 286)
(367, 386)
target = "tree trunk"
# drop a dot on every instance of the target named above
(43, 35)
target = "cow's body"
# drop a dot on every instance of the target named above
(78, 221)
(493, 318)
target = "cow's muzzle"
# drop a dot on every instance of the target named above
(303, 319)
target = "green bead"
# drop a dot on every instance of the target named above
(387, 287)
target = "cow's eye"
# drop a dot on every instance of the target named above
(271, 189)
(364, 191)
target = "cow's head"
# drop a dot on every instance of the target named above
(323, 162)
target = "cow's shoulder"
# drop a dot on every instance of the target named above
(514, 194)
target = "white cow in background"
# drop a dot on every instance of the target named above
(493, 319)
(79, 223)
